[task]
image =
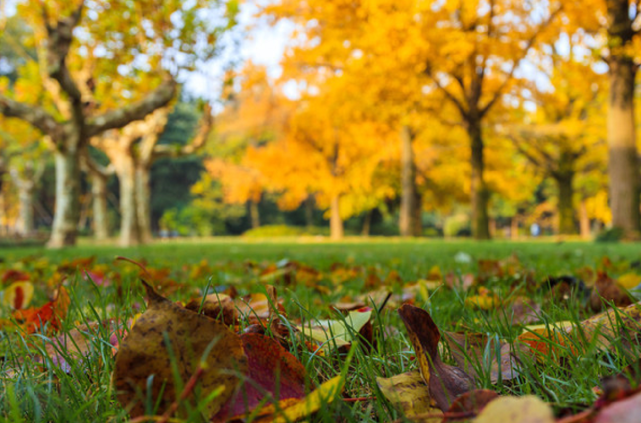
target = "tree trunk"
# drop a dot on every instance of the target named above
(478, 187)
(129, 231)
(254, 214)
(565, 207)
(335, 221)
(309, 211)
(143, 203)
(99, 199)
(26, 224)
(65, 220)
(367, 223)
(408, 216)
(622, 165)
(514, 228)
(584, 220)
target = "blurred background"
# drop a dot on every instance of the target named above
(133, 121)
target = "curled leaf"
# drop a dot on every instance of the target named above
(445, 382)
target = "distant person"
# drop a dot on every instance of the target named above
(535, 230)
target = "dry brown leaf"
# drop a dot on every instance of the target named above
(445, 382)
(144, 353)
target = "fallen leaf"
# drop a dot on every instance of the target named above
(144, 353)
(407, 392)
(470, 404)
(445, 382)
(18, 295)
(271, 371)
(339, 333)
(525, 311)
(629, 280)
(49, 315)
(607, 289)
(526, 409)
(296, 410)
(623, 411)
(486, 300)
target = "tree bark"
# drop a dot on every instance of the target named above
(129, 230)
(309, 211)
(478, 188)
(143, 203)
(408, 222)
(99, 200)
(584, 220)
(514, 228)
(26, 182)
(65, 220)
(254, 214)
(622, 164)
(565, 206)
(335, 222)
(26, 224)
(367, 223)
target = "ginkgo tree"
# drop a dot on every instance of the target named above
(565, 136)
(126, 39)
(466, 53)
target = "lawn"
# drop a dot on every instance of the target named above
(42, 380)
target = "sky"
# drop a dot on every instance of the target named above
(259, 42)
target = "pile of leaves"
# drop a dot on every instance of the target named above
(213, 354)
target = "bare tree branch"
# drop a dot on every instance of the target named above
(199, 140)
(447, 93)
(121, 117)
(499, 92)
(59, 38)
(35, 115)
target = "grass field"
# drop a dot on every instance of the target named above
(34, 387)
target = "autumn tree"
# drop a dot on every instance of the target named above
(160, 42)
(565, 136)
(254, 115)
(613, 25)
(466, 53)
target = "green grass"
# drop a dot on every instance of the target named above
(35, 389)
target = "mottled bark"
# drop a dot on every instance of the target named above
(478, 188)
(129, 230)
(67, 208)
(26, 181)
(335, 221)
(622, 164)
(99, 203)
(409, 224)
(143, 203)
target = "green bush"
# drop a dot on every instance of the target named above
(268, 231)
(610, 235)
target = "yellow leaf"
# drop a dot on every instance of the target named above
(486, 300)
(313, 402)
(18, 295)
(409, 393)
(527, 409)
(629, 280)
(338, 331)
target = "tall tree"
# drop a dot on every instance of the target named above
(565, 136)
(75, 70)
